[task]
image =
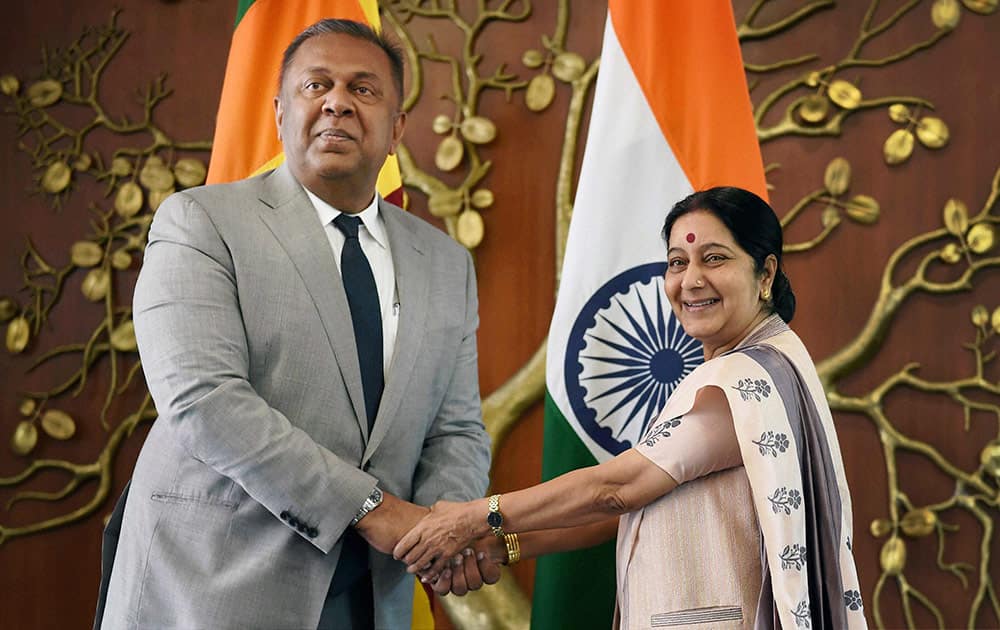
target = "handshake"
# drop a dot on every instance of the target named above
(440, 545)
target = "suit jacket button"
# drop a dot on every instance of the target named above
(284, 515)
(294, 522)
(313, 532)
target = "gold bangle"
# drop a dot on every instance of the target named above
(513, 548)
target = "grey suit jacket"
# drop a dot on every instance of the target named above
(248, 349)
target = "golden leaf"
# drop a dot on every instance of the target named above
(58, 424)
(951, 253)
(82, 162)
(980, 316)
(844, 94)
(449, 153)
(541, 90)
(898, 147)
(983, 7)
(445, 203)
(9, 84)
(128, 201)
(156, 197)
(470, 229)
(990, 458)
(123, 337)
(917, 523)
(568, 66)
(96, 284)
(813, 79)
(27, 407)
(932, 132)
(893, 556)
(121, 167)
(838, 176)
(56, 178)
(86, 253)
(980, 238)
(478, 130)
(880, 527)
(995, 320)
(190, 172)
(121, 260)
(25, 437)
(945, 14)
(863, 209)
(532, 58)
(441, 124)
(814, 108)
(482, 198)
(830, 217)
(44, 93)
(899, 113)
(18, 333)
(8, 309)
(155, 176)
(956, 216)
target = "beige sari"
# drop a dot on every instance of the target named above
(760, 545)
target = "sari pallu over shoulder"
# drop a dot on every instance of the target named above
(792, 459)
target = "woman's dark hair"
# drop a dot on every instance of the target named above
(755, 227)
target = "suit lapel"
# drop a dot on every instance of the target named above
(293, 221)
(410, 266)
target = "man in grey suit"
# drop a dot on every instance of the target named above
(301, 426)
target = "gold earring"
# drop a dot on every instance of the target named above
(765, 294)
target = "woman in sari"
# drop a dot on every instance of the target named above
(733, 509)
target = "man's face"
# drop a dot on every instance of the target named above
(338, 113)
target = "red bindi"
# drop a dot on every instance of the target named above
(690, 237)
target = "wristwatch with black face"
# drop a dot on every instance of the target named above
(494, 518)
(373, 501)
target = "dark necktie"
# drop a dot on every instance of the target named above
(366, 314)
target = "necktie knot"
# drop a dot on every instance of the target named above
(348, 225)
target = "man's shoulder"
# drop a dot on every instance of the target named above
(437, 240)
(210, 195)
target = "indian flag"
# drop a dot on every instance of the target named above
(246, 140)
(671, 115)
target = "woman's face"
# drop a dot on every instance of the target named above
(711, 283)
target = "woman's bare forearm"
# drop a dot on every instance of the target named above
(546, 541)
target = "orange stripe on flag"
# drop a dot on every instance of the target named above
(686, 57)
(245, 134)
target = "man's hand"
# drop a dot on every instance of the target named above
(385, 525)
(467, 572)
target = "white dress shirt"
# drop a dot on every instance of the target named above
(375, 245)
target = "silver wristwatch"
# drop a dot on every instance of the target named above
(373, 501)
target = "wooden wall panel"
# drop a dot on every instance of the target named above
(49, 580)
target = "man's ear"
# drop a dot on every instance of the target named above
(398, 126)
(279, 113)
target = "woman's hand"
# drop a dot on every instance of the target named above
(441, 535)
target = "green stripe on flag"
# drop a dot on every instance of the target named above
(575, 589)
(242, 6)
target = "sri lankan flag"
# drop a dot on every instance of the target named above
(246, 139)
(671, 114)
